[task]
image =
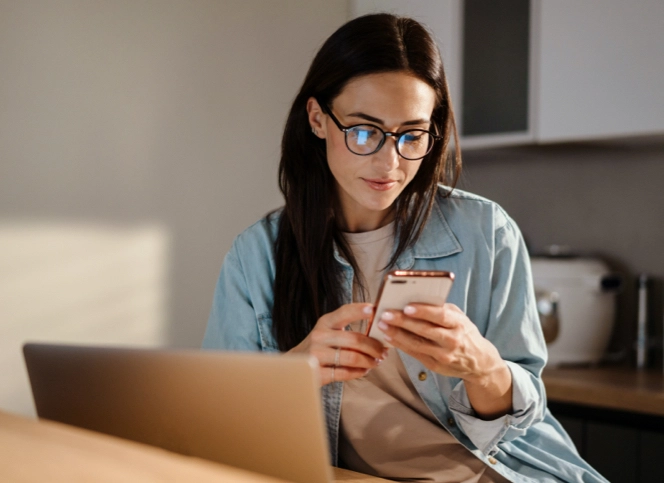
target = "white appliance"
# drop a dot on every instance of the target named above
(576, 300)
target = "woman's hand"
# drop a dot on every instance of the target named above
(447, 342)
(342, 355)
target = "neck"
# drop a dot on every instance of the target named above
(367, 223)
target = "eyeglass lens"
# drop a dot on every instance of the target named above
(366, 139)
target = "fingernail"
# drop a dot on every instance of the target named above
(387, 316)
(409, 310)
(368, 309)
(387, 337)
(385, 354)
(379, 361)
(383, 325)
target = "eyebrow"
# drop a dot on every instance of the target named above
(367, 117)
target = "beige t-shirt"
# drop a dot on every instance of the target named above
(386, 428)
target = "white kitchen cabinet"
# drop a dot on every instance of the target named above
(595, 68)
(600, 65)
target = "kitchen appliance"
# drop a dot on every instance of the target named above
(576, 301)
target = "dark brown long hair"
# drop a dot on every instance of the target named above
(308, 281)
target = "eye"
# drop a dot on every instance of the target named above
(364, 134)
(413, 137)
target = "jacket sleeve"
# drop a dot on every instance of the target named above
(232, 324)
(515, 330)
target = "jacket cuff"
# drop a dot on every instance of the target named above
(527, 409)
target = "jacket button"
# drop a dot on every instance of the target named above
(493, 460)
(451, 421)
(423, 376)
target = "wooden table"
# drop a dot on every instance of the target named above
(36, 451)
(615, 416)
(47, 451)
(618, 388)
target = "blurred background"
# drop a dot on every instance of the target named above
(138, 138)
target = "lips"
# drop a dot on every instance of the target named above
(380, 184)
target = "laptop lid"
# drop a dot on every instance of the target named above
(261, 412)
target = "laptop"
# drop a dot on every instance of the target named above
(261, 412)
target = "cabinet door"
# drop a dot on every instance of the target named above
(651, 454)
(496, 38)
(601, 68)
(613, 451)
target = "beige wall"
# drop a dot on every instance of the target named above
(138, 124)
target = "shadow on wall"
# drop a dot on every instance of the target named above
(78, 283)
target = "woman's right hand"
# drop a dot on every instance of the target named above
(342, 355)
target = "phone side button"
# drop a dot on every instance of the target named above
(422, 376)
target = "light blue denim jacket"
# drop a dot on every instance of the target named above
(477, 241)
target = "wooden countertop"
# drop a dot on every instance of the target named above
(36, 451)
(619, 388)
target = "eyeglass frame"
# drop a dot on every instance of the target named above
(396, 135)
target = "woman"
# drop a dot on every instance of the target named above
(459, 397)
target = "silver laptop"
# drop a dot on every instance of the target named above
(254, 411)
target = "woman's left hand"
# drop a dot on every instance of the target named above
(445, 341)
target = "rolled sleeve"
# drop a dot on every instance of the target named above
(514, 329)
(527, 407)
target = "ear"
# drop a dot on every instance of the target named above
(317, 118)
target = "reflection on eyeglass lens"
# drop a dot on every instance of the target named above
(364, 136)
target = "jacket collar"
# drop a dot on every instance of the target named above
(436, 241)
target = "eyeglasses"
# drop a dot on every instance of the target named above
(366, 139)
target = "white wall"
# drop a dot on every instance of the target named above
(126, 118)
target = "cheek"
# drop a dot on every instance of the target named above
(336, 147)
(339, 159)
(410, 168)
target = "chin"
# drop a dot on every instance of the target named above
(381, 205)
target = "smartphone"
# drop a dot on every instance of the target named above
(402, 287)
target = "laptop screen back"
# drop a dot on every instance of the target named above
(254, 411)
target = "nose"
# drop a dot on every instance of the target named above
(387, 156)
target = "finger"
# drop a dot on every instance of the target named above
(347, 314)
(411, 343)
(341, 374)
(444, 316)
(438, 336)
(421, 327)
(331, 339)
(349, 358)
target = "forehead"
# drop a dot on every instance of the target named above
(392, 96)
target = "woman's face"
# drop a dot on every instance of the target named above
(367, 186)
